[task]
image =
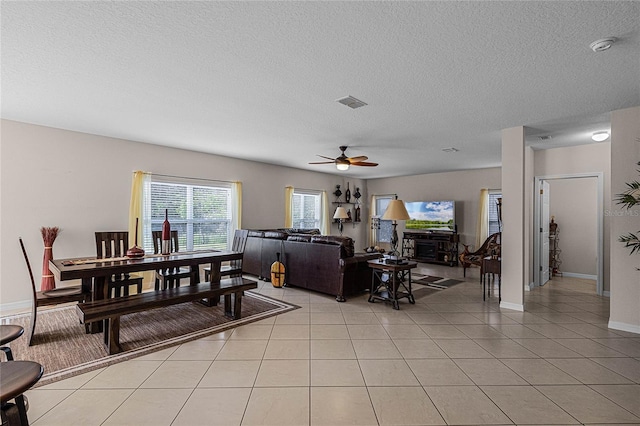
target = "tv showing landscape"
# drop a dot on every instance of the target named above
(431, 215)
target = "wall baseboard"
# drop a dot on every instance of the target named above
(631, 328)
(529, 287)
(583, 276)
(512, 306)
(15, 307)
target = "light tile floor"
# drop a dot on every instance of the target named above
(449, 359)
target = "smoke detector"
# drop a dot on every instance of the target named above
(602, 44)
(351, 102)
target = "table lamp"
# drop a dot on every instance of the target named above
(341, 214)
(395, 211)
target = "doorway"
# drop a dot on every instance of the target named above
(542, 204)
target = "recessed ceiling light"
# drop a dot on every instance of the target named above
(351, 102)
(451, 149)
(602, 44)
(600, 136)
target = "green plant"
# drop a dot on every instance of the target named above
(628, 199)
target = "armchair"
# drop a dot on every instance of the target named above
(490, 246)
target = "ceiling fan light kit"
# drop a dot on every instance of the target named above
(343, 162)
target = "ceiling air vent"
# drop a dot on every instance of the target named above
(451, 149)
(351, 102)
(544, 138)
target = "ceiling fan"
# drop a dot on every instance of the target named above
(343, 162)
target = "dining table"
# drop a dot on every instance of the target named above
(94, 272)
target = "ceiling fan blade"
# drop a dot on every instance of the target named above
(328, 158)
(364, 163)
(323, 162)
(358, 159)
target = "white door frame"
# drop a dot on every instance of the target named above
(600, 233)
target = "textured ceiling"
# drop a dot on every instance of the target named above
(260, 80)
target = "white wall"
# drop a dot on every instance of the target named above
(463, 187)
(82, 184)
(625, 269)
(574, 204)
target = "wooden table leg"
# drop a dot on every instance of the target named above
(112, 335)
(99, 291)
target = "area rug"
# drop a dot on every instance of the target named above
(437, 282)
(63, 348)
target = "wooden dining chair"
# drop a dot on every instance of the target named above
(50, 297)
(114, 245)
(9, 333)
(234, 268)
(16, 377)
(168, 277)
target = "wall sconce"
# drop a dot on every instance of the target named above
(341, 215)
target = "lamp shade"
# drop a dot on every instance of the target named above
(341, 213)
(396, 211)
(342, 164)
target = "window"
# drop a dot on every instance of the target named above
(306, 209)
(494, 224)
(386, 229)
(201, 213)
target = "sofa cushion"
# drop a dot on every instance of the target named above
(306, 238)
(258, 234)
(345, 243)
(276, 235)
(305, 231)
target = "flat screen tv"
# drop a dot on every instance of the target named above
(431, 215)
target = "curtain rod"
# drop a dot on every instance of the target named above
(191, 178)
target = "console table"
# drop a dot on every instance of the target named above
(431, 247)
(387, 279)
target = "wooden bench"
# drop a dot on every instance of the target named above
(110, 310)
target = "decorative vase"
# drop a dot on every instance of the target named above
(135, 251)
(48, 237)
(347, 194)
(166, 233)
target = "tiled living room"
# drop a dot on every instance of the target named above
(448, 359)
(222, 117)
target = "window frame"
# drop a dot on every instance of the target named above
(190, 222)
(494, 225)
(303, 193)
(385, 228)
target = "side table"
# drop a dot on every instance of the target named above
(490, 268)
(391, 282)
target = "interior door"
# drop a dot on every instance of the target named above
(544, 233)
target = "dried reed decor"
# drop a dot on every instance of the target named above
(48, 237)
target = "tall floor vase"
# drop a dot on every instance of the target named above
(48, 237)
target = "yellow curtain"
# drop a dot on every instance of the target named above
(288, 207)
(136, 205)
(136, 210)
(482, 227)
(325, 219)
(373, 212)
(236, 205)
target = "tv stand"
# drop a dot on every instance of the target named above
(439, 247)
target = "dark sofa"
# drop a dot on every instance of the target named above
(322, 263)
